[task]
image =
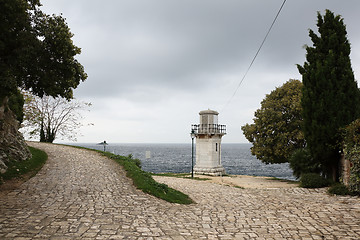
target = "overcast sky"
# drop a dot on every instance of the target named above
(153, 65)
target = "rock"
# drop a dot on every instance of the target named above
(12, 143)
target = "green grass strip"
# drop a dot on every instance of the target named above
(30, 166)
(144, 180)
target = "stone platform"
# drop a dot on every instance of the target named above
(212, 171)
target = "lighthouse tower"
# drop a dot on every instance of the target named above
(208, 144)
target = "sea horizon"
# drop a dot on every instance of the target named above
(236, 158)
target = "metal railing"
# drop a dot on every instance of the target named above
(208, 129)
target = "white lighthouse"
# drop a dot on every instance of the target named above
(208, 144)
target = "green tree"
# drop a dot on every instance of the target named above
(36, 51)
(276, 131)
(36, 54)
(331, 98)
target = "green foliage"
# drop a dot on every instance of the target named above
(32, 165)
(276, 130)
(331, 98)
(351, 134)
(352, 153)
(136, 161)
(339, 189)
(301, 162)
(36, 51)
(313, 180)
(354, 156)
(144, 181)
(16, 103)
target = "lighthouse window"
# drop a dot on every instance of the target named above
(204, 119)
(216, 147)
(215, 119)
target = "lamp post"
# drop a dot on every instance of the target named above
(192, 134)
(104, 143)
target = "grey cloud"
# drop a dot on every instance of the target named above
(145, 52)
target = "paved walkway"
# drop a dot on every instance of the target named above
(81, 195)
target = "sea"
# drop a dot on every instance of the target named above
(176, 158)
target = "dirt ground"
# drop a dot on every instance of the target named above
(250, 181)
(9, 185)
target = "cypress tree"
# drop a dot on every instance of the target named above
(331, 98)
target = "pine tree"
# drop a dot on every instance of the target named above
(331, 98)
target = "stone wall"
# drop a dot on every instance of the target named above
(345, 170)
(12, 143)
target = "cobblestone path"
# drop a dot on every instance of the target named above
(80, 195)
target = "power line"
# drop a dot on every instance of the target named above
(253, 60)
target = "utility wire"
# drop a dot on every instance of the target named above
(253, 60)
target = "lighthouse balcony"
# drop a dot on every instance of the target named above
(208, 129)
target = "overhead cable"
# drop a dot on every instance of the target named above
(253, 60)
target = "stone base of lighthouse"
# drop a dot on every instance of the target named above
(213, 171)
(208, 155)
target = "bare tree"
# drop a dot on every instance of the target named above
(49, 118)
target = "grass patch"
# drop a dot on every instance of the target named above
(313, 180)
(340, 189)
(30, 166)
(144, 181)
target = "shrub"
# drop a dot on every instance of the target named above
(301, 162)
(352, 152)
(313, 180)
(339, 189)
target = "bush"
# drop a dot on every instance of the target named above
(313, 180)
(301, 162)
(136, 161)
(339, 189)
(351, 144)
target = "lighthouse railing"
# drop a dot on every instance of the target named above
(208, 129)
